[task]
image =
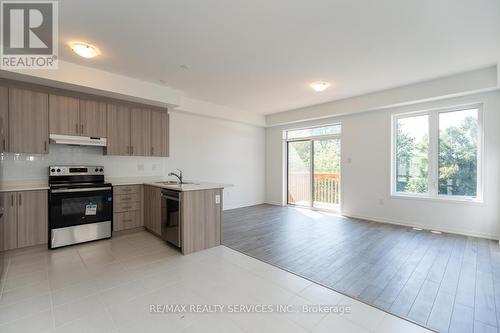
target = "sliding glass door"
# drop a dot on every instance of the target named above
(314, 172)
(326, 173)
(299, 172)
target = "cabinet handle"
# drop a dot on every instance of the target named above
(131, 150)
(12, 200)
(81, 129)
(45, 145)
(127, 208)
(128, 220)
(76, 128)
(4, 147)
(20, 200)
(152, 150)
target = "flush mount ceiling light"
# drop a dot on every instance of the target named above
(84, 50)
(320, 86)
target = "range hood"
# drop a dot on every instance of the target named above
(77, 140)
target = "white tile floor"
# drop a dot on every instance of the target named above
(108, 286)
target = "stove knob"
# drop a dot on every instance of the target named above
(96, 170)
(58, 170)
(52, 170)
(102, 170)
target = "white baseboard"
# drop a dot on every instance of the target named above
(422, 226)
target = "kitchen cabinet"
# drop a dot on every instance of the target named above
(25, 218)
(140, 132)
(201, 220)
(152, 209)
(28, 121)
(4, 118)
(127, 207)
(64, 115)
(118, 129)
(32, 212)
(93, 119)
(74, 116)
(10, 220)
(2, 247)
(159, 133)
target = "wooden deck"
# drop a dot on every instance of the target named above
(447, 282)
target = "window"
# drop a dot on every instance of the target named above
(437, 154)
(313, 131)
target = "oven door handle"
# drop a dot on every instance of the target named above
(89, 189)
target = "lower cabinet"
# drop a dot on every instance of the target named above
(25, 219)
(127, 207)
(152, 209)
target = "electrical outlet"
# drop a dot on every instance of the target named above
(217, 199)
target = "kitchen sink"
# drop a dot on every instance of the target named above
(174, 182)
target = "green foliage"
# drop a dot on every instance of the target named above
(458, 159)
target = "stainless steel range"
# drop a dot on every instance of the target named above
(80, 205)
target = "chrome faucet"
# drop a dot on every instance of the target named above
(179, 176)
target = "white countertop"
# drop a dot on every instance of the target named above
(14, 186)
(194, 186)
(23, 185)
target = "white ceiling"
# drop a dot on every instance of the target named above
(261, 55)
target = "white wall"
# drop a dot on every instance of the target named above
(215, 150)
(365, 181)
(206, 149)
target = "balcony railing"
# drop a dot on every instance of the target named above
(326, 189)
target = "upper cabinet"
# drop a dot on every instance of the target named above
(159, 133)
(64, 115)
(28, 114)
(93, 118)
(74, 116)
(118, 130)
(140, 137)
(28, 121)
(4, 118)
(137, 131)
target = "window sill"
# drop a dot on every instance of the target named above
(460, 200)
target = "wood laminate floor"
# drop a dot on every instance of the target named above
(446, 282)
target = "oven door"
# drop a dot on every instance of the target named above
(77, 206)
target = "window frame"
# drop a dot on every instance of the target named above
(433, 155)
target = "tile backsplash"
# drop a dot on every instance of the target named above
(35, 167)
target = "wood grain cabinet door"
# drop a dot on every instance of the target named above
(4, 118)
(10, 220)
(32, 211)
(64, 115)
(28, 121)
(140, 138)
(152, 209)
(118, 130)
(93, 119)
(159, 133)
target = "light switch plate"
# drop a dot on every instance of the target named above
(217, 199)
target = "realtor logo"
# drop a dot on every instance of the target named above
(29, 35)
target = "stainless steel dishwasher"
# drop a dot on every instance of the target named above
(171, 217)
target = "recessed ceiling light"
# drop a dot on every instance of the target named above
(84, 50)
(320, 86)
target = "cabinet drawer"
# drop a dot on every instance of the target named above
(128, 189)
(126, 220)
(126, 198)
(126, 207)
